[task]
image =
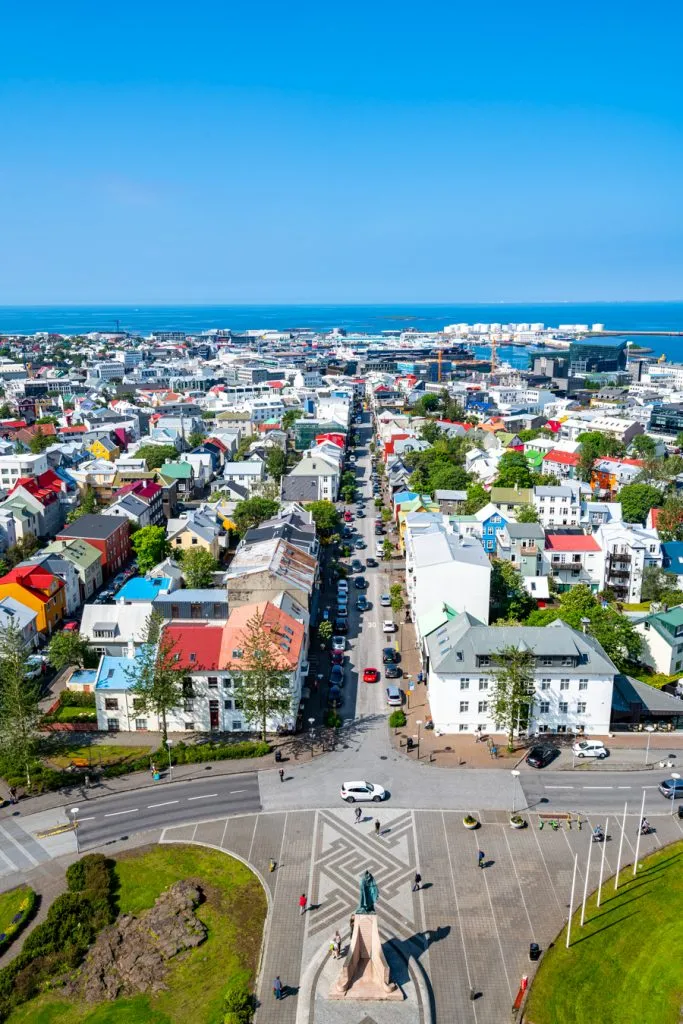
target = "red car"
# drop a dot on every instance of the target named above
(370, 675)
(337, 657)
(71, 626)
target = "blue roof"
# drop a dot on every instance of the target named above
(115, 673)
(404, 496)
(141, 589)
(673, 557)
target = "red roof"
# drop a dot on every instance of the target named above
(141, 488)
(570, 542)
(45, 488)
(34, 578)
(277, 384)
(389, 445)
(199, 647)
(562, 458)
(217, 443)
(621, 462)
(78, 428)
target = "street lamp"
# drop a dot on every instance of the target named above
(74, 812)
(515, 775)
(418, 724)
(169, 744)
(675, 776)
(649, 729)
(311, 723)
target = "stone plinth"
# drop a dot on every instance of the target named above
(365, 971)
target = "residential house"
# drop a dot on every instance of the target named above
(131, 508)
(672, 562)
(561, 464)
(301, 488)
(450, 502)
(292, 524)
(65, 570)
(574, 557)
(8, 529)
(109, 534)
(197, 528)
(627, 550)
(510, 499)
(558, 506)
(611, 474)
(15, 615)
(258, 572)
(104, 448)
(115, 629)
(182, 475)
(85, 558)
(522, 544)
(573, 677)
(208, 605)
(662, 635)
(491, 521)
(38, 589)
(151, 494)
(144, 590)
(327, 469)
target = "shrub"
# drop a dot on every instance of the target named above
(239, 1004)
(332, 719)
(76, 700)
(397, 719)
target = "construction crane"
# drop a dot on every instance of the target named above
(438, 361)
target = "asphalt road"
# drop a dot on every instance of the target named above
(111, 817)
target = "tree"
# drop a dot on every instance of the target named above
(477, 498)
(39, 442)
(244, 446)
(448, 478)
(19, 703)
(325, 517)
(426, 404)
(595, 445)
(387, 549)
(513, 470)
(348, 494)
(252, 512)
(528, 435)
(670, 519)
(155, 455)
(196, 438)
(325, 630)
(199, 565)
(87, 506)
(22, 550)
(157, 680)
(430, 431)
(659, 586)
(637, 500)
(262, 680)
(679, 439)
(396, 594)
(276, 463)
(512, 695)
(509, 599)
(68, 648)
(644, 447)
(150, 546)
(290, 417)
(527, 514)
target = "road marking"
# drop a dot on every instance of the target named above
(623, 787)
(558, 787)
(115, 814)
(19, 847)
(597, 787)
(205, 796)
(237, 791)
(91, 817)
(166, 803)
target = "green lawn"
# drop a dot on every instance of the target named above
(622, 966)
(10, 905)
(234, 913)
(94, 754)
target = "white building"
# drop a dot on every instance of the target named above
(573, 677)
(25, 464)
(559, 505)
(627, 549)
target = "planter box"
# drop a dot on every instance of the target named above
(471, 825)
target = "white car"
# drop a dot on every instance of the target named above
(590, 748)
(394, 697)
(385, 600)
(35, 665)
(388, 626)
(356, 792)
(338, 643)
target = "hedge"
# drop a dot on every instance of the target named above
(61, 941)
(19, 921)
(397, 719)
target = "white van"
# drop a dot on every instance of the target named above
(590, 748)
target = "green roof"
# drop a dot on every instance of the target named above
(512, 496)
(435, 617)
(176, 470)
(534, 458)
(673, 617)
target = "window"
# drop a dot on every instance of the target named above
(564, 707)
(188, 705)
(464, 706)
(546, 661)
(545, 684)
(561, 728)
(194, 540)
(544, 707)
(483, 684)
(189, 726)
(141, 724)
(464, 684)
(462, 727)
(213, 682)
(543, 728)
(564, 684)
(236, 726)
(583, 684)
(227, 705)
(581, 707)
(483, 707)
(237, 654)
(111, 704)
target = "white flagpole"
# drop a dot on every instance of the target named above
(602, 860)
(571, 900)
(585, 884)
(621, 844)
(642, 812)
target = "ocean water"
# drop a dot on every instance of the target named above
(617, 316)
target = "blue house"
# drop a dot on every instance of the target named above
(492, 522)
(672, 560)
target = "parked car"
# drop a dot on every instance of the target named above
(356, 792)
(362, 604)
(338, 643)
(357, 565)
(379, 530)
(539, 757)
(671, 788)
(341, 624)
(360, 514)
(71, 626)
(359, 544)
(342, 585)
(371, 563)
(335, 697)
(35, 665)
(348, 516)
(394, 696)
(390, 656)
(336, 676)
(393, 672)
(337, 657)
(590, 748)
(388, 626)
(370, 675)
(385, 600)
(360, 583)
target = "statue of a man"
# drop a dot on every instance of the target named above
(369, 894)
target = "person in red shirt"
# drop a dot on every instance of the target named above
(302, 903)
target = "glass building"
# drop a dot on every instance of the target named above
(597, 355)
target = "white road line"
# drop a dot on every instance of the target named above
(205, 796)
(10, 863)
(166, 803)
(236, 791)
(558, 787)
(91, 817)
(19, 847)
(597, 787)
(115, 814)
(624, 787)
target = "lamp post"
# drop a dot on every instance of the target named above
(515, 775)
(74, 812)
(675, 776)
(649, 729)
(169, 744)
(418, 724)
(311, 723)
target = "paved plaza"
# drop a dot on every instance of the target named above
(467, 930)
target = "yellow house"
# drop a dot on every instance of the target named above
(103, 448)
(418, 504)
(38, 589)
(195, 532)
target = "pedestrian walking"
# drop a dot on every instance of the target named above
(377, 826)
(358, 814)
(335, 945)
(282, 775)
(480, 858)
(13, 794)
(277, 988)
(417, 881)
(302, 903)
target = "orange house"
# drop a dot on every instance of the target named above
(37, 589)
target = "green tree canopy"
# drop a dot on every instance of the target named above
(86, 506)
(196, 438)
(19, 704)
(595, 445)
(155, 455)
(430, 431)
(528, 435)
(670, 519)
(477, 498)
(39, 442)
(513, 470)
(643, 446)
(325, 517)
(199, 565)
(290, 417)
(252, 512)
(276, 463)
(261, 680)
(637, 500)
(658, 585)
(157, 681)
(512, 694)
(526, 514)
(68, 647)
(426, 404)
(509, 599)
(150, 546)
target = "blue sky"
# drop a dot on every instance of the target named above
(356, 152)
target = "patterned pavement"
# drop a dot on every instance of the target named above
(467, 931)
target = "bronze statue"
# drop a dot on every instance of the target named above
(369, 894)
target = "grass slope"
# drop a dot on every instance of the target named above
(622, 966)
(234, 912)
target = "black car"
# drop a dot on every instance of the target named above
(378, 530)
(357, 565)
(336, 676)
(393, 672)
(341, 624)
(371, 563)
(335, 697)
(360, 583)
(539, 757)
(390, 656)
